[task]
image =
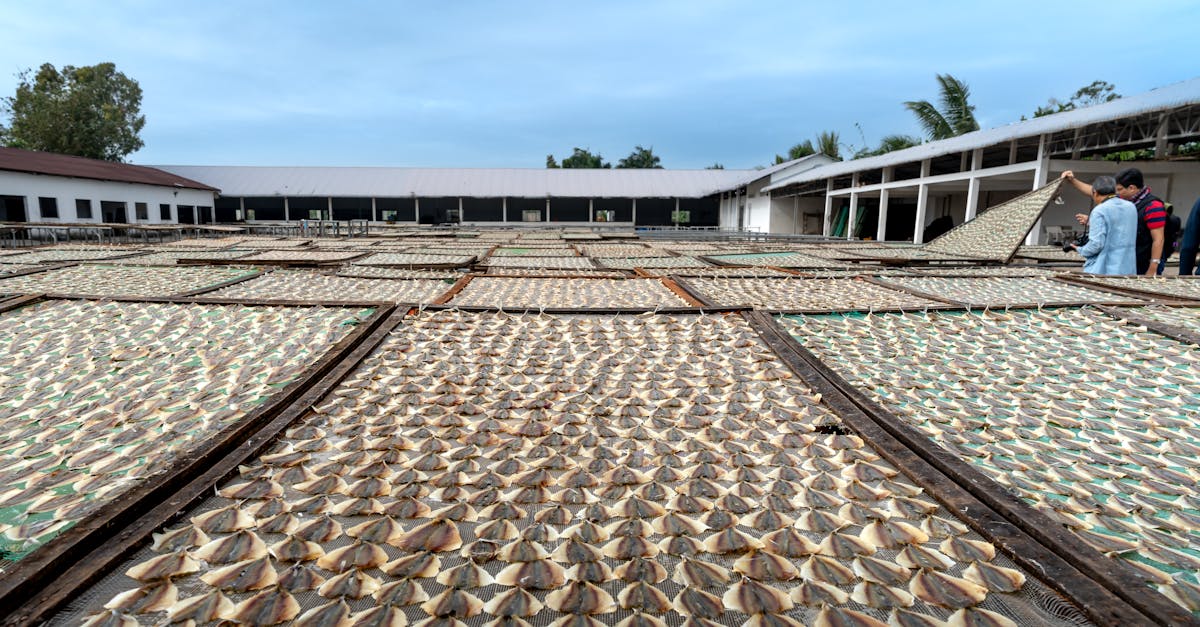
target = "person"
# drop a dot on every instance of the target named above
(1152, 215)
(1190, 243)
(1112, 231)
(1170, 238)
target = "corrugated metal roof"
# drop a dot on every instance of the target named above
(49, 163)
(1178, 95)
(465, 182)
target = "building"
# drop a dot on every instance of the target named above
(565, 197)
(44, 187)
(897, 195)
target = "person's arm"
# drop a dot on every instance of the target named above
(1156, 247)
(1084, 188)
(1097, 234)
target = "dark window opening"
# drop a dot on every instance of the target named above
(569, 209)
(12, 208)
(352, 209)
(164, 212)
(655, 211)
(396, 209)
(227, 208)
(438, 210)
(48, 207)
(613, 209)
(517, 208)
(204, 215)
(83, 209)
(304, 208)
(142, 211)
(483, 209)
(257, 208)
(113, 212)
(187, 214)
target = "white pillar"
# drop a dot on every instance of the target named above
(633, 218)
(460, 210)
(884, 197)
(673, 220)
(374, 211)
(329, 207)
(853, 215)
(795, 212)
(973, 185)
(1039, 179)
(417, 209)
(547, 208)
(241, 208)
(504, 209)
(922, 204)
(591, 209)
(827, 227)
(287, 211)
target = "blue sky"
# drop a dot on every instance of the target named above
(503, 84)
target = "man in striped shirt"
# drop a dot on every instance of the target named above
(1152, 216)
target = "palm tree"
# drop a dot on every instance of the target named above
(828, 143)
(956, 116)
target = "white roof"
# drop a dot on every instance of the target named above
(465, 182)
(1178, 95)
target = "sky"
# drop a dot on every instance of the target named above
(502, 84)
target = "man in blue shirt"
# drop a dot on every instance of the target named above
(1112, 232)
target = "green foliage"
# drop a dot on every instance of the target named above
(799, 151)
(890, 143)
(580, 158)
(91, 111)
(1096, 93)
(829, 144)
(715, 166)
(956, 115)
(641, 158)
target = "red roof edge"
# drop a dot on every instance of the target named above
(49, 163)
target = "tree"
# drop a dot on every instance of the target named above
(1096, 93)
(580, 158)
(956, 117)
(890, 143)
(642, 158)
(91, 111)
(715, 166)
(829, 144)
(799, 151)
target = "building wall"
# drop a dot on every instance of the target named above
(66, 190)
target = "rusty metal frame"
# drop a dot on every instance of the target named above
(1106, 590)
(54, 572)
(254, 274)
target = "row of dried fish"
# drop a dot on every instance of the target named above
(779, 260)
(566, 292)
(792, 294)
(284, 285)
(1007, 291)
(106, 280)
(547, 263)
(96, 396)
(1112, 456)
(998, 231)
(398, 495)
(415, 260)
(1179, 287)
(629, 263)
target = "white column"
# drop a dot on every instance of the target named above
(374, 211)
(673, 221)
(287, 211)
(973, 185)
(329, 207)
(241, 208)
(547, 208)
(633, 218)
(827, 228)
(853, 215)
(416, 210)
(922, 204)
(460, 210)
(504, 209)
(1039, 179)
(884, 197)
(591, 209)
(795, 212)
